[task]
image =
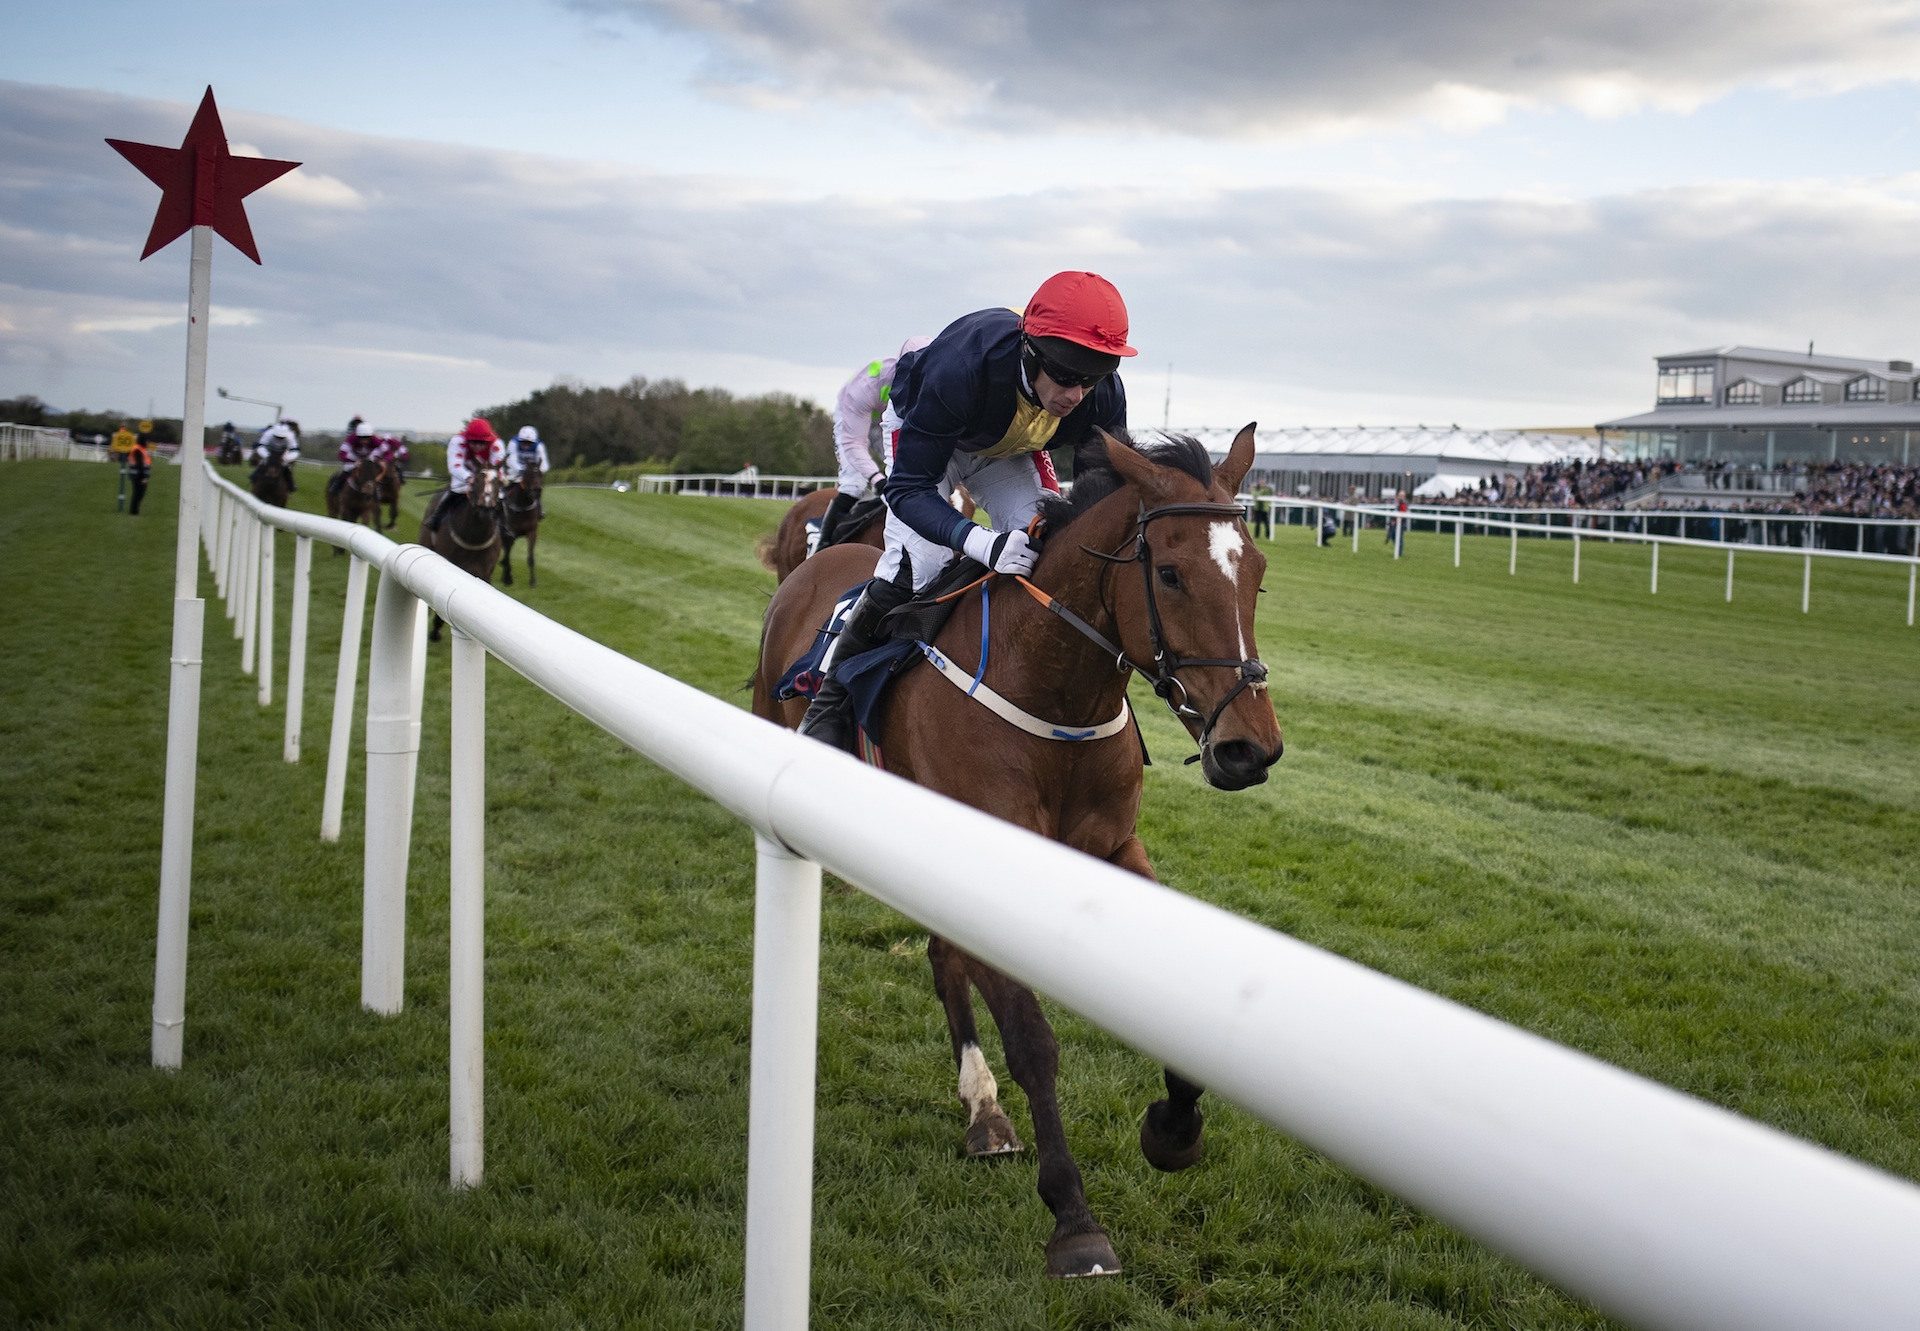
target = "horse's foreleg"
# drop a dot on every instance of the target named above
(533, 537)
(506, 559)
(1078, 1246)
(1172, 1135)
(989, 1131)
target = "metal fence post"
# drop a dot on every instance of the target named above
(780, 1103)
(393, 753)
(1576, 554)
(297, 646)
(1729, 576)
(466, 834)
(345, 685)
(263, 628)
(1654, 588)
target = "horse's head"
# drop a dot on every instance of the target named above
(1189, 608)
(484, 492)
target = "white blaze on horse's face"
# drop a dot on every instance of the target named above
(1228, 547)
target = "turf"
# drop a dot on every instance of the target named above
(1676, 833)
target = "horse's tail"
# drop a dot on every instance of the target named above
(765, 548)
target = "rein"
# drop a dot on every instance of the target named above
(1251, 672)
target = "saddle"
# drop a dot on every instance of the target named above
(868, 675)
(855, 519)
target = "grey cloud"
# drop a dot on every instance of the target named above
(1237, 66)
(1297, 299)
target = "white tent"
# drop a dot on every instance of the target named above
(1446, 484)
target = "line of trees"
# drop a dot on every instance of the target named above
(661, 423)
(83, 424)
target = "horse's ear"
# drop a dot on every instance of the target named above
(1153, 482)
(1233, 469)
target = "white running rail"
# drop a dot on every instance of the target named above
(24, 443)
(1661, 1209)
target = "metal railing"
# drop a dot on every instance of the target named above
(1664, 1210)
(744, 485)
(24, 443)
(1356, 517)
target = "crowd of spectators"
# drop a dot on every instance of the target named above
(1804, 489)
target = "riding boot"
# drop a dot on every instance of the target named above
(440, 512)
(835, 514)
(830, 717)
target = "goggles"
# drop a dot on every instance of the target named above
(1060, 374)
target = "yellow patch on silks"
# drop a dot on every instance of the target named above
(1032, 429)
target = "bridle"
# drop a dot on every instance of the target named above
(1251, 672)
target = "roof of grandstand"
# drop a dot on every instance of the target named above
(1360, 445)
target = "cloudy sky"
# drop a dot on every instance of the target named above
(1491, 212)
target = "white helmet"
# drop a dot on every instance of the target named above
(529, 434)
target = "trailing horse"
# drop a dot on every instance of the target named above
(353, 495)
(390, 482)
(520, 515)
(1036, 730)
(469, 535)
(271, 482)
(783, 551)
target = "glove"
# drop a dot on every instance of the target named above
(1002, 551)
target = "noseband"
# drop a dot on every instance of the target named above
(1251, 672)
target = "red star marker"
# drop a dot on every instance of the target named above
(201, 183)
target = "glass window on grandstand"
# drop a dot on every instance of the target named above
(1801, 392)
(1877, 446)
(1686, 383)
(1746, 393)
(1866, 389)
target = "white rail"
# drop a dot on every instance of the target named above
(1486, 522)
(23, 443)
(747, 486)
(1664, 1210)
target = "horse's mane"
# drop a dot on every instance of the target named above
(1094, 477)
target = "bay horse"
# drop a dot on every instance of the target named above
(390, 482)
(354, 495)
(520, 519)
(1184, 621)
(469, 538)
(783, 551)
(271, 482)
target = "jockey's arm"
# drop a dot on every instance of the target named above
(853, 417)
(544, 464)
(913, 490)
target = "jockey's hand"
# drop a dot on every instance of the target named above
(1002, 551)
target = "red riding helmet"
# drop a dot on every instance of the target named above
(1082, 308)
(479, 431)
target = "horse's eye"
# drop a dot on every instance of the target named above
(1169, 575)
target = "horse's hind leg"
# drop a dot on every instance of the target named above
(506, 561)
(533, 537)
(1078, 1246)
(1172, 1134)
(989, 1131)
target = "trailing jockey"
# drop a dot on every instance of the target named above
(470, 452)
(528, 452)
(856, 434)
(356, 446)
(279, 442)
(981, 406)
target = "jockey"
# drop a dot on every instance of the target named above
(528, 451)
(470, 452)
(981, 405)
(856, 433)
(279, 442)
(356, 446)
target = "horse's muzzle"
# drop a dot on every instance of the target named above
(1237, 764)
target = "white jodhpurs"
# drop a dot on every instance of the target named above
(1009, 489)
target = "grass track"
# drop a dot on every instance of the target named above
(1675, 833)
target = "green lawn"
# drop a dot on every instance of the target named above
(1675, 833)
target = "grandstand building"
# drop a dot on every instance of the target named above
(1374, 462)
(1752, 407)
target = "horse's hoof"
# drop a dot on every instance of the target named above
(1070, 1256)
(1166, 1149)
(991, 1135)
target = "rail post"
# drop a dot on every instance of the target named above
(1653, 588)
(466, 969)
(297, 646)
(264, 624)
(345, 685)
(786, 998)
(393, 754)
(1729, 575)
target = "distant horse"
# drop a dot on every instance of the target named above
(1185, 622)
(391, 480)
(230, 453)
(353, 495)
(520, 518)
(469, 537)
(272, 481)
(783, 551)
